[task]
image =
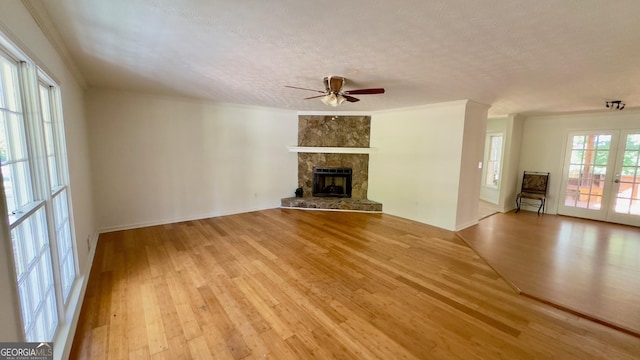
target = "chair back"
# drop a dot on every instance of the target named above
(535, 182)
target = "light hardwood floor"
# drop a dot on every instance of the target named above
(589, 267)
(486, 209)
(294, 284)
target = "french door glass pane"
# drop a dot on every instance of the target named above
(628, 195)
(493, 162)
(587, 171)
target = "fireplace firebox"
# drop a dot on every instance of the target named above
(332, 182)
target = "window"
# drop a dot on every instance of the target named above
(35, 186)
(13, 143)
(493, 160)
(49, 101)
(35, 277)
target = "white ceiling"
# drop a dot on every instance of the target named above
(519, 56)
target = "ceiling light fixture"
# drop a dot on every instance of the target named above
(615, 104)
(333, 99)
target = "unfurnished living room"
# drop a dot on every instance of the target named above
(208, 179)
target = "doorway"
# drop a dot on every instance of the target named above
(492, 169)
(601, 176)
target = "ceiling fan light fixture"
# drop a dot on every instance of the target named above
(327, 99)
(333, 99)
(615, 104)
(333, 95)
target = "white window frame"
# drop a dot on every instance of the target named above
(488, 159)
(65, 248)
(55, 313)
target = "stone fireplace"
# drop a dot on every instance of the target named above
(333, 143)
(338, 132)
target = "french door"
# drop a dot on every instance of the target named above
(601, 176)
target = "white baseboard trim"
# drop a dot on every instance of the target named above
(464, 226)
(177, 220)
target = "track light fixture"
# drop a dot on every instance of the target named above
(615, 104)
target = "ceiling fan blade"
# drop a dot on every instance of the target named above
(351, 98)
(313, 97)
(365, 91)
(299, 88)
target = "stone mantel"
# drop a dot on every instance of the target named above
(330, 150)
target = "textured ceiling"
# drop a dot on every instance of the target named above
(543, 56)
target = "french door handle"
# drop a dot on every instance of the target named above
(616, 181)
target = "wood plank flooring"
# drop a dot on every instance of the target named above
(590, 267)
(294, 284)
(486, 209)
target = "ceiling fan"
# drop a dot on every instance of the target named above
(333, 93)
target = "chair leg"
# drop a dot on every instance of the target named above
(518, 201)
(541, 207)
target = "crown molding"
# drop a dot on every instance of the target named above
(42, 18)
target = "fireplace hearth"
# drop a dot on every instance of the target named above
(332, 182)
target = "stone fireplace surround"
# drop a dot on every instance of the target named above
(346, 140)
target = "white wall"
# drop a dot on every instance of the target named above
(159, 159)
(545, 137)
(511, 174)
(415, 171)
(17, 23)
(475, 124)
